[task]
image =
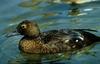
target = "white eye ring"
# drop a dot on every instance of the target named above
(23, 26)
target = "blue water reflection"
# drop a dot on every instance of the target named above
(49, 16)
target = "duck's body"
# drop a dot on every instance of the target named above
(54, 41)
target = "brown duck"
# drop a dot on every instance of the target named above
(53, 41)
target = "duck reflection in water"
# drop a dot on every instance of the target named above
(53, 41)
(74, 12)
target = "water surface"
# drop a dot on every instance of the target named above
(49, 16)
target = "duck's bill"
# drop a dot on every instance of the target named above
(13, 33)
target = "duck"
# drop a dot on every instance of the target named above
(35, 41)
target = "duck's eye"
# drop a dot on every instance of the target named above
(23, 26)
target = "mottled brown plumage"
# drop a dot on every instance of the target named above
(53, 41)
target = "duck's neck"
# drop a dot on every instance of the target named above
(33, 36)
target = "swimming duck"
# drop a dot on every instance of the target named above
(53, 41)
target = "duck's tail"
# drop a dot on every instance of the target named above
(90, 37)
(97, 39)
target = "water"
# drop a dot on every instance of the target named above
(49, 16)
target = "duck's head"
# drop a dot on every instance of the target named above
(28, 28)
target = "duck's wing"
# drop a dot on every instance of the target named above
(88, 36)
(63, 39)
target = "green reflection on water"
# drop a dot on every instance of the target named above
(38, 58)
